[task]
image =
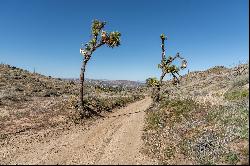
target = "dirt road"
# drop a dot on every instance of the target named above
(115, 139)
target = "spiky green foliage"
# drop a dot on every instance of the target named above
(114, 39)
(96, 27)
(168, 68)
(152, 82)
(163, 36)
(99, 38)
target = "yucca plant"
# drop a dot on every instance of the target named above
(99, 38)
(152, 82)
(167, 67)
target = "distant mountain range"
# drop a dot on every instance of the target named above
(113, 83)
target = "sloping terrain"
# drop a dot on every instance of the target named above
(210, 85)
(30, 101)
(203, 120)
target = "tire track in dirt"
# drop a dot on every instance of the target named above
(115, 139)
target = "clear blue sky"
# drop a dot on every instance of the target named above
(46, 34)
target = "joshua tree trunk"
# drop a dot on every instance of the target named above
(82, 81)
(157, 97)
(83, 68)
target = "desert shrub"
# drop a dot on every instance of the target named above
(72, 102)
(236, 94)
(50, 93)
(232, 158)
(202, 133)
(97, 105)
(240, 81)
(155, 119)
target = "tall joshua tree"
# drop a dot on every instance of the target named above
(99, 38)
(167, 68)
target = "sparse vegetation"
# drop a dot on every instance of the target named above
(198, 131)
(34, 101)
(236, 94)
(232, 158)
(201, 122)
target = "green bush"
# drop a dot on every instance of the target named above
(241, 81)
(232, 158)
(236, 94)
(155, 120)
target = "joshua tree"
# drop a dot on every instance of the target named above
(99, 38)
(167, 68)
(152, 82)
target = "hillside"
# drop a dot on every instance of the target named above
(207, 86)
(203, 120)
(18, 85)
(111, 83)
(34, 101)
(40, 121)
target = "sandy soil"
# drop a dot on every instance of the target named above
(115, 139)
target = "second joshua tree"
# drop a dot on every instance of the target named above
(167, 67)
(99, 38)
